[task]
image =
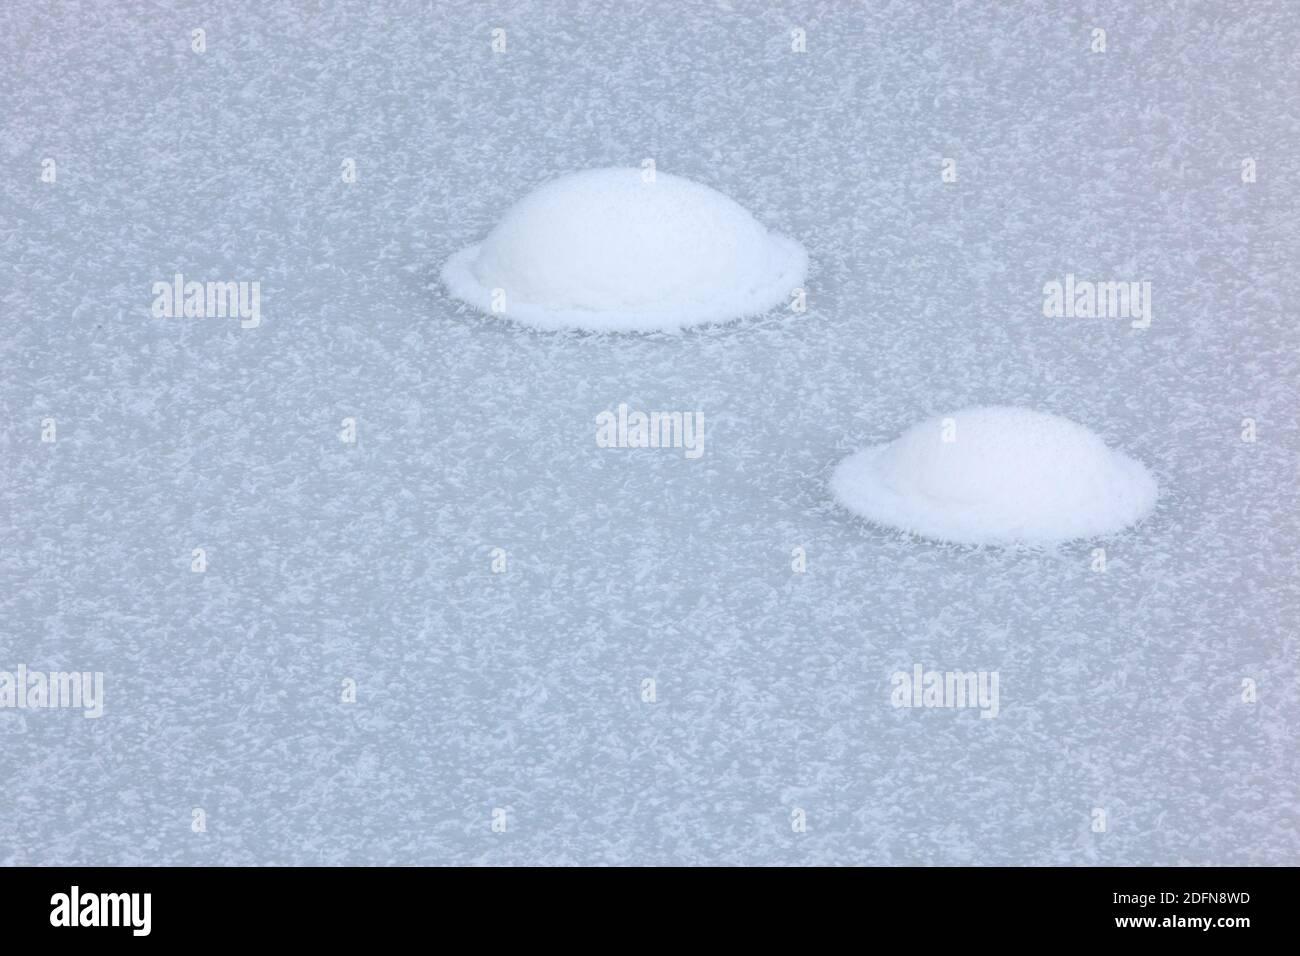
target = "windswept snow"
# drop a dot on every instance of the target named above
(997, 475)
(497, 586)
(619, 250)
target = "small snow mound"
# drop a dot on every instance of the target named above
(606, 250)
(996, 475)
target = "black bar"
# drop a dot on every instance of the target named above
(333, 906)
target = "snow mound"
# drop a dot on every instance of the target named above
(606, 250)
(996, 475)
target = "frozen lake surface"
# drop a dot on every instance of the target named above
(522, 691)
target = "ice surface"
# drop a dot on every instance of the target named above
(522, 690)
(620, 250)
(997, 475)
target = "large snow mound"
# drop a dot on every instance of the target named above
(996, 475)
(619, 251)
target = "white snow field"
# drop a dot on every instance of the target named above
(997, 475)
(622, 250)
(1122, 691)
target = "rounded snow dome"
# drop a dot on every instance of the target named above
(607, 250)
(996, 475)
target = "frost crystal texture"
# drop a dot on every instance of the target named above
(996, 475)
(619, 250)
